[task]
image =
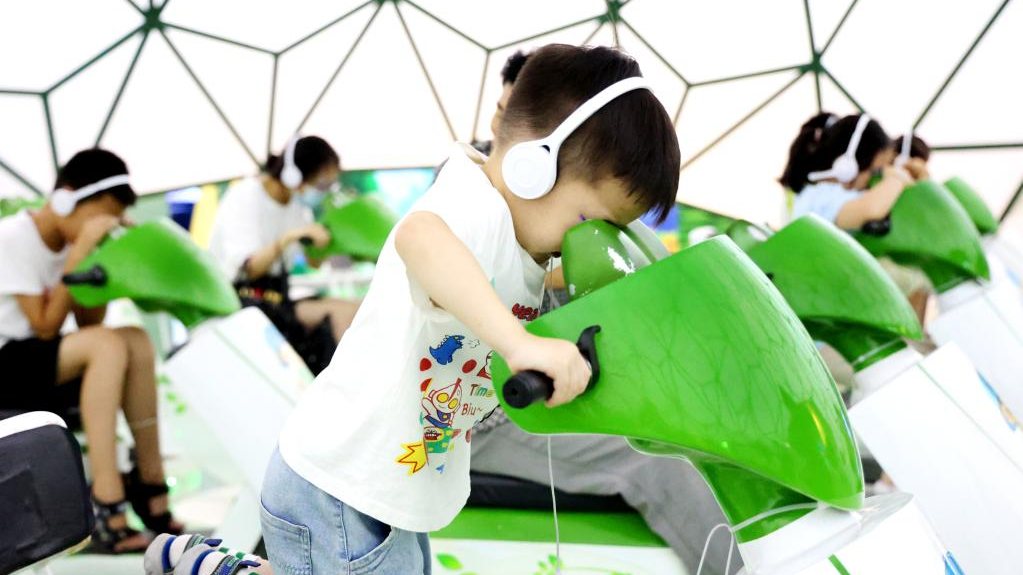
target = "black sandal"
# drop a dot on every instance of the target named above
(140, 494)
(106, 538)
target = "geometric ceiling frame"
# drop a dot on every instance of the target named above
(610, 19)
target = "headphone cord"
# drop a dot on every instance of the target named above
(550, 458)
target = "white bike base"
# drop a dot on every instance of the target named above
(941, 434)
(241, 379)
(888, 536)
(986, 322)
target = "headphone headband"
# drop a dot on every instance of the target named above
(904, 153)
(530, 168)
(845, 167)
(63, 201)
(291, 174)
(591, 107)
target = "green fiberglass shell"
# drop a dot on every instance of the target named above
(974, 205)
(608, 253)
(834, 285)
(700, 353)
(358, 228)
(159, 267)
(930, 230)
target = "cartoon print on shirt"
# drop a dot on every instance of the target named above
(455, 396)
(445, 352)
(414, 456)
(525, 312)
(440, 405)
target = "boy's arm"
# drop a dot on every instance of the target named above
(46, 312)
(259, 263)
(874, 204)
(450, 275)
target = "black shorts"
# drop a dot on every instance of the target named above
(28, 377)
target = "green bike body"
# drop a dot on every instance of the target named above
(701, 358)
(358, 228)
(159, 267)
(837, 289)
(974, 205)
(932, 231)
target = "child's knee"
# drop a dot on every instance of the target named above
(139, 346)
(106, 345)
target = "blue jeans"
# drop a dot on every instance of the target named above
(309, 532)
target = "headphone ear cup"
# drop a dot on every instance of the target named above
(845, 169)
(62, 202)
(291, 176)
(529, 170)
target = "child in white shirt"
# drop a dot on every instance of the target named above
(376, 454)
(101, 370)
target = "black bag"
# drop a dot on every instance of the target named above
(44, 499)
(270, 294)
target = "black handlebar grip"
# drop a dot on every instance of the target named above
(305, 241)
(94, 276)
(878, 227)
(527, 387)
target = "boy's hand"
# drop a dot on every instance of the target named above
(897, 174)
(92, 233)
(316, 232)
(917, 168)
(558, 359)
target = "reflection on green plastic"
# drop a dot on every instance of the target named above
(974, 205)
(931, 230)
(747, 235)
(837, 289)
(700, 354)
(159, 267)
(358, 228)
(618, 253)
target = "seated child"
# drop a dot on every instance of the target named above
(102, 370)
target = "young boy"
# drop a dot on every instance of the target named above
(376, 454)
(101, 369)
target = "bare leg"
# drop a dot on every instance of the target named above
(140, 410)
(340, 311)
(100, 357)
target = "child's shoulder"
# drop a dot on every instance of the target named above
(462, 182)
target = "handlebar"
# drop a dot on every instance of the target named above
(94, 276)
(528, 387)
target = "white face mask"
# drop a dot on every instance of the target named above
(312, 197)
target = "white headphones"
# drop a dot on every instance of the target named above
(907, 143)
(531, 168)
(63, 201)
(291, 175)
(846, 168)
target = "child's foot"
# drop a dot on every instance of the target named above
(209, 561)
(171, 554)
(112, 534)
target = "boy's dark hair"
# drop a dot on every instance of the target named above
(631, 138)
(312, 154)
(822, 140)
(917, 148)
(90, 166)
(512, 66)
